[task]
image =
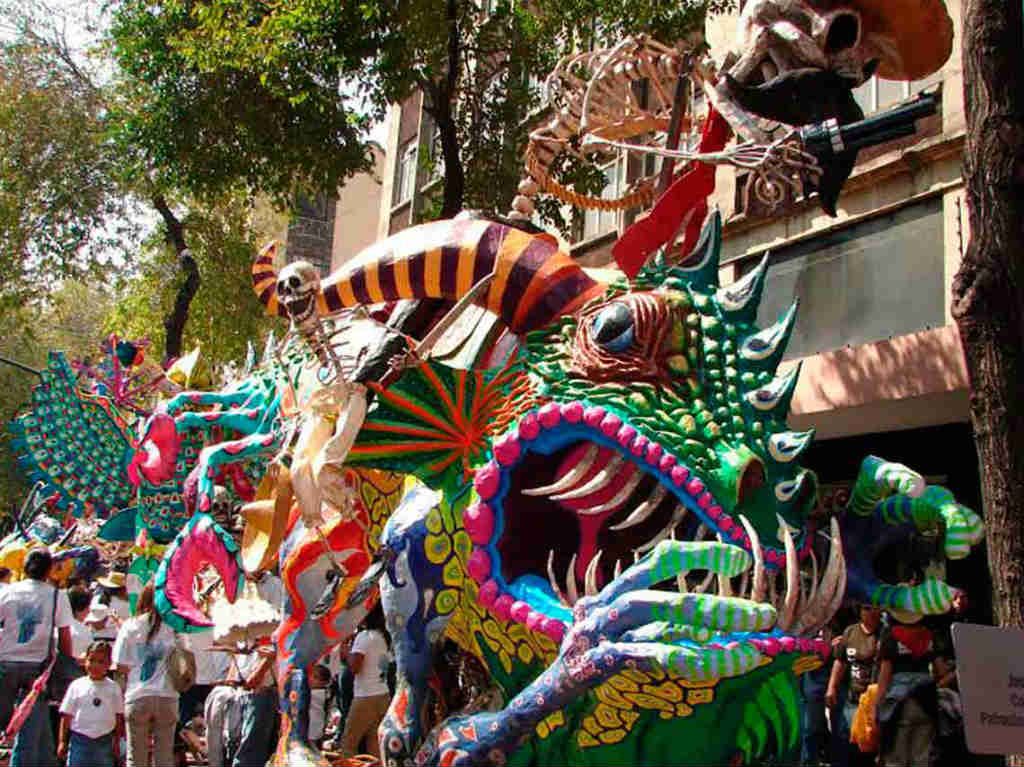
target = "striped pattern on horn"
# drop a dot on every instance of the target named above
(534, 281)
(264, 280)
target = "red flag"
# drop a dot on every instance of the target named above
(686, 200)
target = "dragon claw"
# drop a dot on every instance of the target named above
(889, 503)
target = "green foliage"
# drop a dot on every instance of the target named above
(225, 314)
(268, 55)
(61, 213)
(192, 116)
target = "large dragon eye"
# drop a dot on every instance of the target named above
(612, 328)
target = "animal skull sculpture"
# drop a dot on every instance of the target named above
(797, 61)
(778, 36)
(297, 287)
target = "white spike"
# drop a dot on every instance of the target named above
(832, 588)
(616, 500)
(736, 297)
(788, 614)
(677, 516)
(551, 577)
(618, 569)
(590, 579)
(644, 510)
(570, 582)
(636, 556)
(571, 476)
(758, 591)
(598, 482)
(744, 583)
(812, 591)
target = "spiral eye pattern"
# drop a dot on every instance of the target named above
(623, 339)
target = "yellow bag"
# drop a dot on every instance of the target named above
(864, 728)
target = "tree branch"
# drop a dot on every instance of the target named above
(177, 317)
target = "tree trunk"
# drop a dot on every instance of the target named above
(440, 97)
(177, 317)
(454, 173)
(988, 292)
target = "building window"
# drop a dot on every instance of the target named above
(598, 222)
(435, 155)
(877, 94)
(876, 279)
(405, 174)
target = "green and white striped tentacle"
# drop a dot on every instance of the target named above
(878, 480)
(933, 597)
(936, 504)
(703, 664)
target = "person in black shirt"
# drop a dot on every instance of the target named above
(856, 655)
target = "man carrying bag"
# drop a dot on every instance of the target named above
(30, 610)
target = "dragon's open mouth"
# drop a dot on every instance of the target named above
(574, 496)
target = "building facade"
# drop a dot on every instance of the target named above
(882, 366)
(329, 230)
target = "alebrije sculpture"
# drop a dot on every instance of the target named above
(617, 523)
(82, 447)
(633, 413)
(35, 528)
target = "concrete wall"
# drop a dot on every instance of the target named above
(357, 210)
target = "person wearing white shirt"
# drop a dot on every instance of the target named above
(368, 659)
(92, 714)
(30, 610)
(211, 667)
(143, 646)
(114, 594)
(81, 635)
(258, 702)
(242, 708)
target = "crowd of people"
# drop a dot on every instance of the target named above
(124, 688)
(889, 697)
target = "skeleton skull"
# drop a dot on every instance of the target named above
(778, 36)
(298, 285)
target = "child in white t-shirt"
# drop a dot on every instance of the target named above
(92, 714)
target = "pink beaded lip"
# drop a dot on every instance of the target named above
(590, 425)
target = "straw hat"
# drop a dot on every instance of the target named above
(266, 518)
(921, 33)
(113, 580)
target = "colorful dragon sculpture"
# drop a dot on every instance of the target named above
(634, 436)
(91, 441)
(609, 510)
(637, 436)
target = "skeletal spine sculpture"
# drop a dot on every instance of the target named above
(595, 93)
(795, 63)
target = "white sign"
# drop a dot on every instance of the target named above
(990, 670)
